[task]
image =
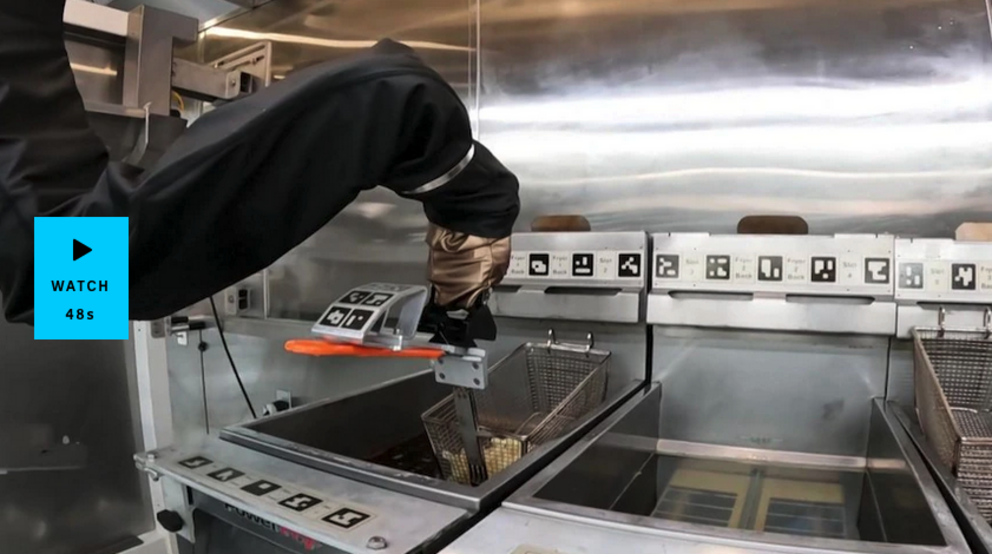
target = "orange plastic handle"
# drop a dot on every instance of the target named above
(317, 347)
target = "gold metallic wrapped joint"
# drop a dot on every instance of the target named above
(462, 267)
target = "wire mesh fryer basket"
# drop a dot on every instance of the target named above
(953, 374)
(533, 395)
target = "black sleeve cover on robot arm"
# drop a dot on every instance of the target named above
(49, 156)
(252, 179)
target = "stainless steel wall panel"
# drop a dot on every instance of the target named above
(203, 10)
(675, 116)
(304, 32)
(668, 116)
(264, 367)
(769, 390)
(98, 69)
(79, 390)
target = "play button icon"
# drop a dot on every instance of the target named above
(79, 250)
(84, 297)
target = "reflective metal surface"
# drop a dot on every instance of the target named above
(975, 528)
(905, 510)
(262, 341)
(352, 436)
(78, 390)
(804, 393)
(203, 10)
(891, 498)
(668, 116)
(151, 36)
(265, 367)
(98, 68)
(122, 64)
(515, 531)
(309, 31)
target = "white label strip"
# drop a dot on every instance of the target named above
(670, 269)
(939, 276)
(579, 265)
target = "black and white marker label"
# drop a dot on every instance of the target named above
(195, 462)
(278, 496)
(357, 319)
(377, 299)
(964, 277)
(261, 487)
(629, 265)
(225, 475)
(911, 275)
(718, 267)
(878, 271)
(666, 266)
(823, 269)
(771, 268)
(335, 317)
(346, 518)
(300, 502)
(355, 297)
(583, 264)
(539, 265)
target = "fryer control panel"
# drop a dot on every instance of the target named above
(274, 495)
(839, 265)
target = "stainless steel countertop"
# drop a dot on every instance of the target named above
(511, 531)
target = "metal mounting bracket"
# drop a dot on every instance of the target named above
(462, 367)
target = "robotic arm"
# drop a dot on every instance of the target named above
(250, 180)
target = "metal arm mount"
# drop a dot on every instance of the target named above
(243, 72)
(462, 367)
